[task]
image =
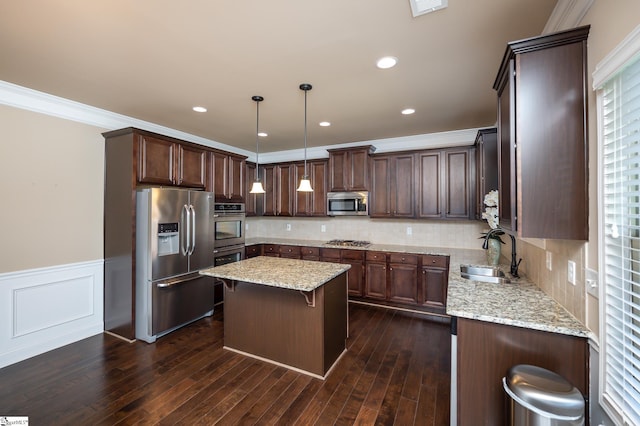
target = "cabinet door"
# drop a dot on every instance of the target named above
(486, 167)
(156, 162)
(337, 171)
(220, 166)
(269, 206)
(457, 184)
(403, 283)
(358, 180)
(429, 185)
(355, 277)
(403, 186)
(376, 280)
(506, 154)
(236, 185)
(285, 189)
(318, 198)
(380, 197)
(192, 166)
(250, 200)
(434, 283)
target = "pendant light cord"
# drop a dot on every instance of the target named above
(257, 100)
(305, 134)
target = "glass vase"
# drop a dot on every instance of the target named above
(493, 251)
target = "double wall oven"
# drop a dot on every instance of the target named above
(228, 238)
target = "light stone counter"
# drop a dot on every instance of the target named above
(520, 303)
(294, 274)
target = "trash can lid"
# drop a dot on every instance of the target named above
(544, 392)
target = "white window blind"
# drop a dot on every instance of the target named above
(619, 109)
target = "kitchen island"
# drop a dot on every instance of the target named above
(286, 311)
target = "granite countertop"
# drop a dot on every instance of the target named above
(519, 303)
(304, 275)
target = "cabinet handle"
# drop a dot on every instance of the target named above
(403, 259)
(391, 269)
(433, 261)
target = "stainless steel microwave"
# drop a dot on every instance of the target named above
(348, 203)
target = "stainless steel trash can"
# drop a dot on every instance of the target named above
(540, 397)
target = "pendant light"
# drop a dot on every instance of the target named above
(257, 185)
(305, 183)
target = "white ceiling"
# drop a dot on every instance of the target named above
(155, 59)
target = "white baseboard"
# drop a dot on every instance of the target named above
(46, 308)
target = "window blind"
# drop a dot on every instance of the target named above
(619, 106)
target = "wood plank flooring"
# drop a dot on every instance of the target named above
(396, 371)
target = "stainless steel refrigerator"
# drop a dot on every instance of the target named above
(173, 242)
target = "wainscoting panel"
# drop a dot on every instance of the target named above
(43, 309)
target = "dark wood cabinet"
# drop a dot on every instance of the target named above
(251, 201)
(228, 177)
(403, 278)
(542, 133)
(486, 166)
(310, 253)
(355, 258)
(392, 186)
(486, 351)
(254, 250)
(291, 252)
(349, 169)
(167, 162)
(444, 181)
(434, 281)
(376, 275)
(272, 250)
(311, 203)
(278, 198)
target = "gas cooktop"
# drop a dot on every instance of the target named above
(349, 243)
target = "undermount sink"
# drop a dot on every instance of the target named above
(487, 274)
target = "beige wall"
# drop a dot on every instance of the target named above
(611, 22)
(52, 173)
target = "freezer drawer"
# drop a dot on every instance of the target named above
(177, 302)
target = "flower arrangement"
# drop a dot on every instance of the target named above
(490, 214)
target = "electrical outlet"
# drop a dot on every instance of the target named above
(246, 226)
(323, 228)
(409, 230)
(288, 227)
(571, 272)
(549, 261)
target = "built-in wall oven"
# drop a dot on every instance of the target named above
(228, 220)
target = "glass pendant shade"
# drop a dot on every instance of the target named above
(305, 183)
(257, 188)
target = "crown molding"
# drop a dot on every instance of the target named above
(44, 103)
(617, 58)
(567, 14)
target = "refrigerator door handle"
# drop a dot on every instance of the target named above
(177, 281)
(193, 229)
(185, 220)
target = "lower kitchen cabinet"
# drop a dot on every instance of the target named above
(403, 277)
(291, 252)
(376, 275)
(253, 251)
(355, 274)
(272, 250)
(310, 253)
(434, 281)
(485, 351)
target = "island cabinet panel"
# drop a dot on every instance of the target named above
(311, 203)
(392, 186)
(349, 169)
(485, 353)
(376, 275)
(542, 133)
(277, 324)
(403, 276)
(228, 176)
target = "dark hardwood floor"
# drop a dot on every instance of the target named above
(396, 371)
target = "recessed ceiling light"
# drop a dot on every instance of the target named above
(199, 109)
(263, 134)
(387, 62)
(408, 111)
(324, 124)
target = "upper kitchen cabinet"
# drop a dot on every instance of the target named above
(392, 186)
(349, 168)
(250, 200)
(445, 179)
(278, 199)
(228, 176)
(311, 203)
(486, 166)
(164, 161)
(542, 136)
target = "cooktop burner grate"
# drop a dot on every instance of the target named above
(349, 243)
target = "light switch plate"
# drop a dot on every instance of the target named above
(549, 261)
(409, 230)
(288, 227)
(591, 282)
(571, 272)
(323, 228)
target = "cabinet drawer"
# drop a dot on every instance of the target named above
(409, 259)
(437, 261)
(353, 254)
(330, 254)
(253, 251)
(310, 251)
(376, 256)
(290, 250)
(270, 249)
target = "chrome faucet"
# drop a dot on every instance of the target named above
(513, 269)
